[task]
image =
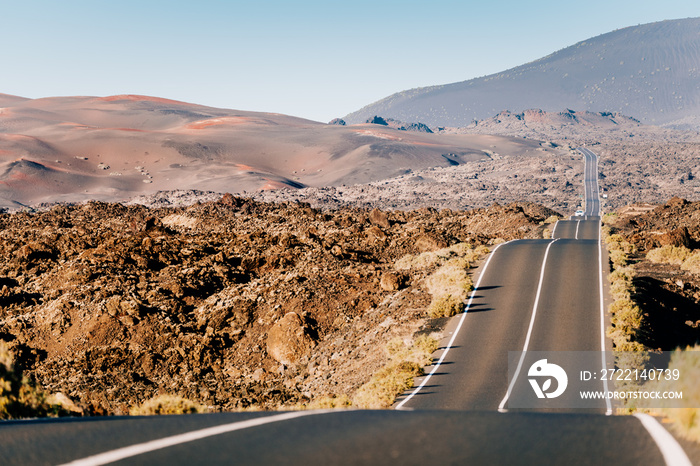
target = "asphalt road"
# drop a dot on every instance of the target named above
(531, 295)
(340, 437)
(590, 182)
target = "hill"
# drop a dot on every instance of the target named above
(650, 72)
(113, 148)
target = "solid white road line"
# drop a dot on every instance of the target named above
(501, 407)
(578, 224)
(608, 405)
(555, 228)
(454, 335)
(141, 448)
(670, 449)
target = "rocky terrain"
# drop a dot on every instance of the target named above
(668, 295)
(232, 303)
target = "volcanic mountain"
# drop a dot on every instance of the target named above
(113, 148)
(650, 72)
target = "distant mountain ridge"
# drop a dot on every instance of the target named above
(650, 72)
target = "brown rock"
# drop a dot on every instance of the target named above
(678, 237)
(391, 281)
(287, 341)
(425, 243)
(379, 218)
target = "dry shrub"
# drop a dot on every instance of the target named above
(166, 404)
(686, 417)
(405, 363)
(621, 286)
(436, 258)
(692, 263)
(552, 219)
(380, 392)
(19, 396)
(614, 238)
(626, 316)
(669, 254)
(618, 258)
(327, 402)
(449, 286)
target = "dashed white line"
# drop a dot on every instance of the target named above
(454, 335)
(673, 453)
(501, 407)
(141, 448)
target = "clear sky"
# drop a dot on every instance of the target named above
(316, 59)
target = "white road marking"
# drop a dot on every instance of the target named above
(501, 407)
(670, 449)
(141, 448)
(555, 228)
(578, 224)
(608, 405)
(454, 335)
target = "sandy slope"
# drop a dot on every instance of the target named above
(112, 148)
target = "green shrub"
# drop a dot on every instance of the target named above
(166, 404)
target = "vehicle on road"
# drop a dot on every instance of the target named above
(579, 213)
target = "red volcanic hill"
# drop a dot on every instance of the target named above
(112, 148)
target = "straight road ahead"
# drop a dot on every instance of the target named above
(590, 182)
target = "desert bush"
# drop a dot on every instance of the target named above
(618, 258)
(449, 286)
(609, 217)
(686, 418)
(405, 363)
(327, 402)
(614, 238)
(445, 306)
(621, 286)
(626, 316)
(552, 219)
(19, 396)
(166, 404)
(380, 392)
(692, 263)
(669, 254)
(624, 246)
(435, 258)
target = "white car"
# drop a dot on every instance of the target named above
(579, 213)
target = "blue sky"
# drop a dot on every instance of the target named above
(313, 59)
